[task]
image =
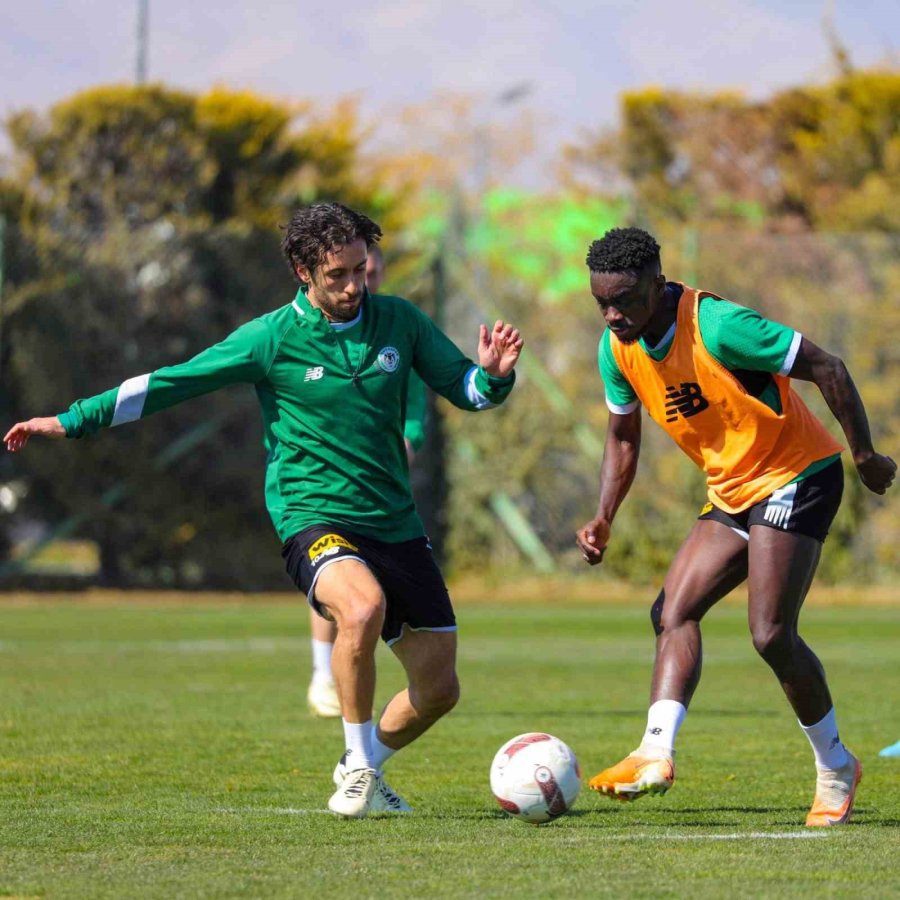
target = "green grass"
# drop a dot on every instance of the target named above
(164, 750)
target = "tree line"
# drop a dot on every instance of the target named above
(142, 226)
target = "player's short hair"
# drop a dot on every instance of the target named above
(623, 250)
(318, 229)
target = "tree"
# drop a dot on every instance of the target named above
(152, 215)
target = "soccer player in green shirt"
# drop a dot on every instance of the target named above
(322, 696)
(330, 371)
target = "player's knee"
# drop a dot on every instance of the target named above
(773, 641)
(362, 615)
(656, 613)
(439, 696)
(667, 614)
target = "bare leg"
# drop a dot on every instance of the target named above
(711, 562)
(354, 599)
(782, 566)
(320, 628)
(322, 696)
(429, 658)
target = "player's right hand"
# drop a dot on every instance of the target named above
(17, 436)
(877, 472)
(592, 540)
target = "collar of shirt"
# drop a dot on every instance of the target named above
(306, 309)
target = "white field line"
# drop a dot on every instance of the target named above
(267, 645)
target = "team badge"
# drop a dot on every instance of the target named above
(388, 359)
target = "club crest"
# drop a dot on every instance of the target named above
(388, 359)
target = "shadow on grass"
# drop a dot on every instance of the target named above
(612, 713)
(738, 809)
(547, 713)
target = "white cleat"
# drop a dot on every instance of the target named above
(384, 800)
(353, 798)
(322, 699)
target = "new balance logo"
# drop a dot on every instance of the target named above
(314, 373)
(685, 401)
(780, 505)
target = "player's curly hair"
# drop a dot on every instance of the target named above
(623, 250)
(320, 228)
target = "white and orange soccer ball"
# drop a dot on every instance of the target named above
(535, 777)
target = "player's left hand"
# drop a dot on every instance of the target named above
(877, 472)
(499, 349)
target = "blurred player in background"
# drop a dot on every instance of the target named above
(716, 377)
(330, 370)
(322, 696)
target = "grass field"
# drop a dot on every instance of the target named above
(162, 750)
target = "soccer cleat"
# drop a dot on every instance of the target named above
(635, 776)
(322, 699)
(835, 793)
(387, 800)
(384, 800)
(353, 798)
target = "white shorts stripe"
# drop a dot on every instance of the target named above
(409, 627)
(310, 597)
(130, 400)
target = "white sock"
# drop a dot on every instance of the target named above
(381, 753)
(826, 743)
(664, 718)
(321, 656)
(358, 740)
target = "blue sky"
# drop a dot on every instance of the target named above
(577, 55)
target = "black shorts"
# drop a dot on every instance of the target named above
(412, 583)
(803, 507)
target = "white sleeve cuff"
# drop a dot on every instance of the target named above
(475, 397)
(791, 357)
(622, 410)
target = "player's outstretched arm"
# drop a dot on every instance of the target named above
(830, 375)
(17, 436)
(468, 384)
(620, 459)
(499, 348)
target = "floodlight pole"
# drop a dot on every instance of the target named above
(140, 71)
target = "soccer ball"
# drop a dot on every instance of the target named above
(535, 777)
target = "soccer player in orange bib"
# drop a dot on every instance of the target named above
(716, 376)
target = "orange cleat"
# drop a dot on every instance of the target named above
(835, 793)
(635, 776)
